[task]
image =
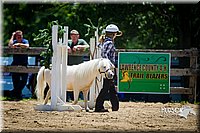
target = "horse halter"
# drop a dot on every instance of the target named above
(104, 72)
(107, 75)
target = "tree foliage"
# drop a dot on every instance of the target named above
(44, 37)
(143, 25)
(155, 27)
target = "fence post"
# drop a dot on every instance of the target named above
(193, 78)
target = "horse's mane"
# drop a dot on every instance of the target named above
(86, 69)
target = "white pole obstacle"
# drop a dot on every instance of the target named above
(58, 75)
(92, 95)
(96, 85)
(53, 70)
(64, 66)
(56, 82)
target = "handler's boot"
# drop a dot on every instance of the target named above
(115, 103)
(101, 110)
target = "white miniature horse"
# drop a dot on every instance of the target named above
(79, 78)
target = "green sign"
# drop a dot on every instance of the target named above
(144, 72)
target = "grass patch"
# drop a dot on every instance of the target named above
(196, 103)
(2, 98)
(186, 102)
(5, 98)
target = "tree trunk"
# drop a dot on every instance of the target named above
(184, 19)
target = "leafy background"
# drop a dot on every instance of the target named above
(158, 26)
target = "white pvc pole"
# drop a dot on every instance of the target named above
(99, 84)
(92, 96)
(53, 78)
(98, 55)
(58, 70)
(59, 74)
(98, 50)
(63, 74)
(64, 65)
(97, 37)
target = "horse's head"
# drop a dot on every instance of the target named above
(106, 68)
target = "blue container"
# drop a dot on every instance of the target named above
(6, 79)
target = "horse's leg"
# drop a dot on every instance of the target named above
(76, 94)
(85, 96)
(47, 96)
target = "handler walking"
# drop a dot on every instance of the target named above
(108, 51)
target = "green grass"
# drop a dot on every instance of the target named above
(186, 102)
(196, 103)
(5, 98)
(2, 98)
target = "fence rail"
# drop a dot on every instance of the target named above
(29, 51)
(20, 69)
(193, 52)
(192, 71)
(35, 51)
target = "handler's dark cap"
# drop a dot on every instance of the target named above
(74, 32)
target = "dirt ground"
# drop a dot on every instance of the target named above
(20, 116)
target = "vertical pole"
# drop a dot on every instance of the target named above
(64, 65)
(63, 75)
(97, 41)
(58, 70)
(193, 78)
(92, 88)
(98, 55)
(98, 49)
(53, 78)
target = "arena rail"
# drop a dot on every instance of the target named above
(191, 71)
(33, 51)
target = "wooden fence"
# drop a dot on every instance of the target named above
(191, 71)
(32, 51)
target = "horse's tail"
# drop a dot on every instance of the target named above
(41, 84)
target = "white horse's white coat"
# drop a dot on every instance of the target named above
(79, 78)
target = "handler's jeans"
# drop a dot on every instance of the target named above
(19, 82)
(108, 90)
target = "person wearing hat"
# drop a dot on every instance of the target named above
(76, 44)
(108, 51)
